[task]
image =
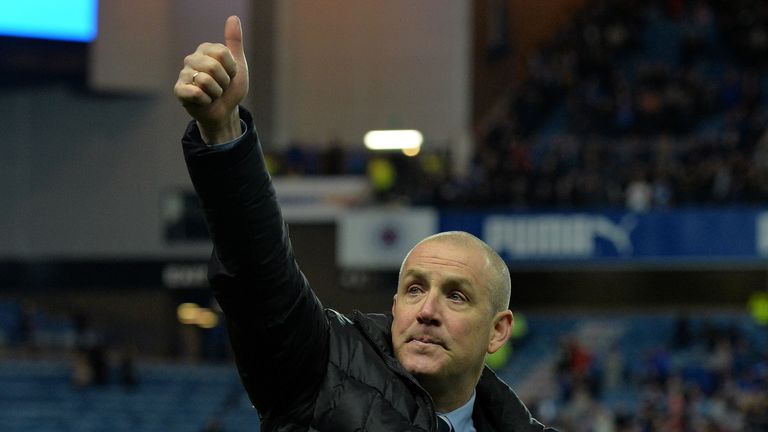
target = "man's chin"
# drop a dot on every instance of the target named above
(422, 372)
(419, 364)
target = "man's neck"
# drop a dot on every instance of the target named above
(448, 396)
(450, 403)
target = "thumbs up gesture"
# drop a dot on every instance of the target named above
(212, 84)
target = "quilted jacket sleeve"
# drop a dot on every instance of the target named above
(278, 330)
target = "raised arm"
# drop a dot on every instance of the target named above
(277, 327)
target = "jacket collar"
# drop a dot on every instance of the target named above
(377, 328)
(498, 408)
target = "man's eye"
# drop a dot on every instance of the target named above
(413, 289)
(457, 297)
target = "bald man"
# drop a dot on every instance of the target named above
(305, 368)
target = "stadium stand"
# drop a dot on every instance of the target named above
(612, 371)
(637, 104)
(640, 371)
(39, 396)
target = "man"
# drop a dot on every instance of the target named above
(305, 369)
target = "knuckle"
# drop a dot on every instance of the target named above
(221, 53)
(196, 93)
(197, 96)
(219, 49)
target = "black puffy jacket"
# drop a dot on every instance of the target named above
(305, 368)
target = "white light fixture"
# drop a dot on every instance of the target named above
(393, 139)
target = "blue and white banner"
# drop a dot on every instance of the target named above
(727, 235)
(379, 239)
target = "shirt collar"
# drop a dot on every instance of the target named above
(461, 418)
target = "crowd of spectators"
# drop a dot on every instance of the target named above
(637, 104)
(709, 379)
(643, 104)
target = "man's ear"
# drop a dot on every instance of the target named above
(503, 323)
(394, 303)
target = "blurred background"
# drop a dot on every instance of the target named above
(613, 152)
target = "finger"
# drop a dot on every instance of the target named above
(190, 94)
(215, 70)
(223, 55)
(233, 35)
(188, 76)
(207, 84)
(204, 61)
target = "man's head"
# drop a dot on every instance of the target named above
(450, 309)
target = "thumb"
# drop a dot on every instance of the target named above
(233, 35)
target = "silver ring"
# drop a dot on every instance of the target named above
(193, 78)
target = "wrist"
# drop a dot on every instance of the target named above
(221, 132)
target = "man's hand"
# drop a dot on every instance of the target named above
(212, 84)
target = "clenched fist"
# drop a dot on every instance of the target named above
(212, 84)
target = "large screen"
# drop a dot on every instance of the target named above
(65, 20)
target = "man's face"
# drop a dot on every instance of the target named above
(443, 319)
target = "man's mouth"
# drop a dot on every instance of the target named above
(426, 340)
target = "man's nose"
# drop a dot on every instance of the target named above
(429, 313)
